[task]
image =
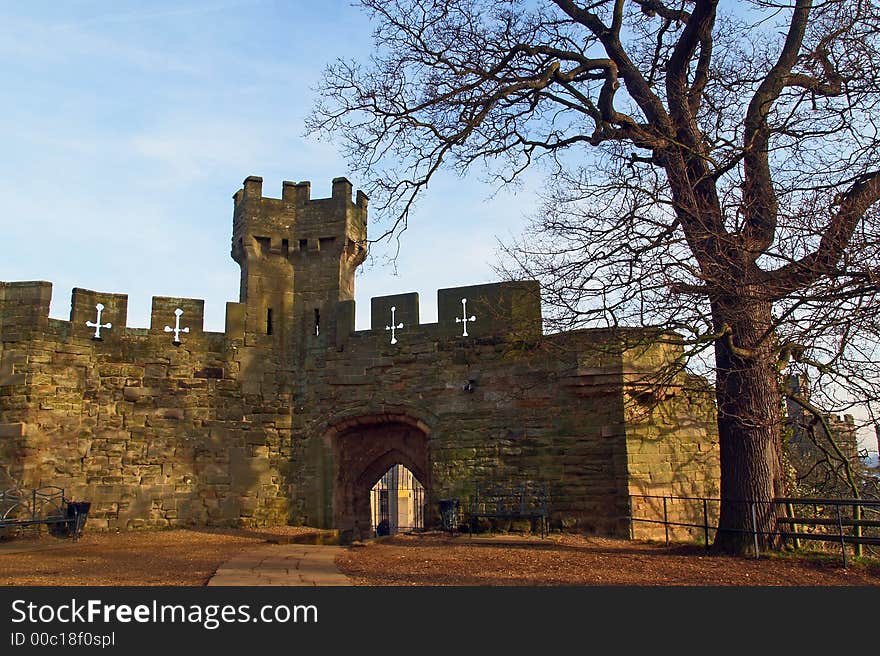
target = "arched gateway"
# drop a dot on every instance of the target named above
(363, 449)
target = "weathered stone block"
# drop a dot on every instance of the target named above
(12, 430)
(84, 310)
(163, 314)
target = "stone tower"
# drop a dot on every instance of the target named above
(298, 258)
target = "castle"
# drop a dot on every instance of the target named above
(292, 416)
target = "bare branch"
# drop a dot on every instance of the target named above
(760, 205)
(852, 207)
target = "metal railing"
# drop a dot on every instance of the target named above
(854, 522)
(398, 510)
(38, 505)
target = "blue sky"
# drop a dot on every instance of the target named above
(127, 127)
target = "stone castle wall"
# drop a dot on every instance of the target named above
(151, 433)
(289, 413)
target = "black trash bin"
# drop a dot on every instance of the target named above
(449, 514)
(77, 513)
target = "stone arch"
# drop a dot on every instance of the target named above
(364, 448)
(385, 462)
(375, 413)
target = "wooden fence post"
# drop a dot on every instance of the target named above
(857, 529)
(789, 510)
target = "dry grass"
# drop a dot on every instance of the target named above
(178, 557)
(190, 558)
(577, 560)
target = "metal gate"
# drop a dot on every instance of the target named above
(397, 503)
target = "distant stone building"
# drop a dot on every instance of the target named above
(809, 442)
(292, 416)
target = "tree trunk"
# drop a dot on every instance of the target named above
(747, 392)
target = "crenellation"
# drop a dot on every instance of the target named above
(24, 308)
(342, 190)
(345, 321)
(406, 311)
(297, 195)
(163, 315)
(511, 308)
(84, 314)
(296, 192)
(235, 320)
(253, 187)
(75, 336)
(362, 201)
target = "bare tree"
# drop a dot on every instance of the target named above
(713, 170)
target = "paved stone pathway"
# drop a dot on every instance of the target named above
(283, 564)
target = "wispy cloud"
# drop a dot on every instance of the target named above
(34, 43)
(194, 151)
(145, 15)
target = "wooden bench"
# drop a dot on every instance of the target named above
(522, 500)
(44, 506)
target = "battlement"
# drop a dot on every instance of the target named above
(102, 316)
(296, 208)
(505, 309)
(24, 307)
(490, 310)
(298, 256)
(296, 224)
(299, 192)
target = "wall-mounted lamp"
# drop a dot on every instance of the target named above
(469, 386)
